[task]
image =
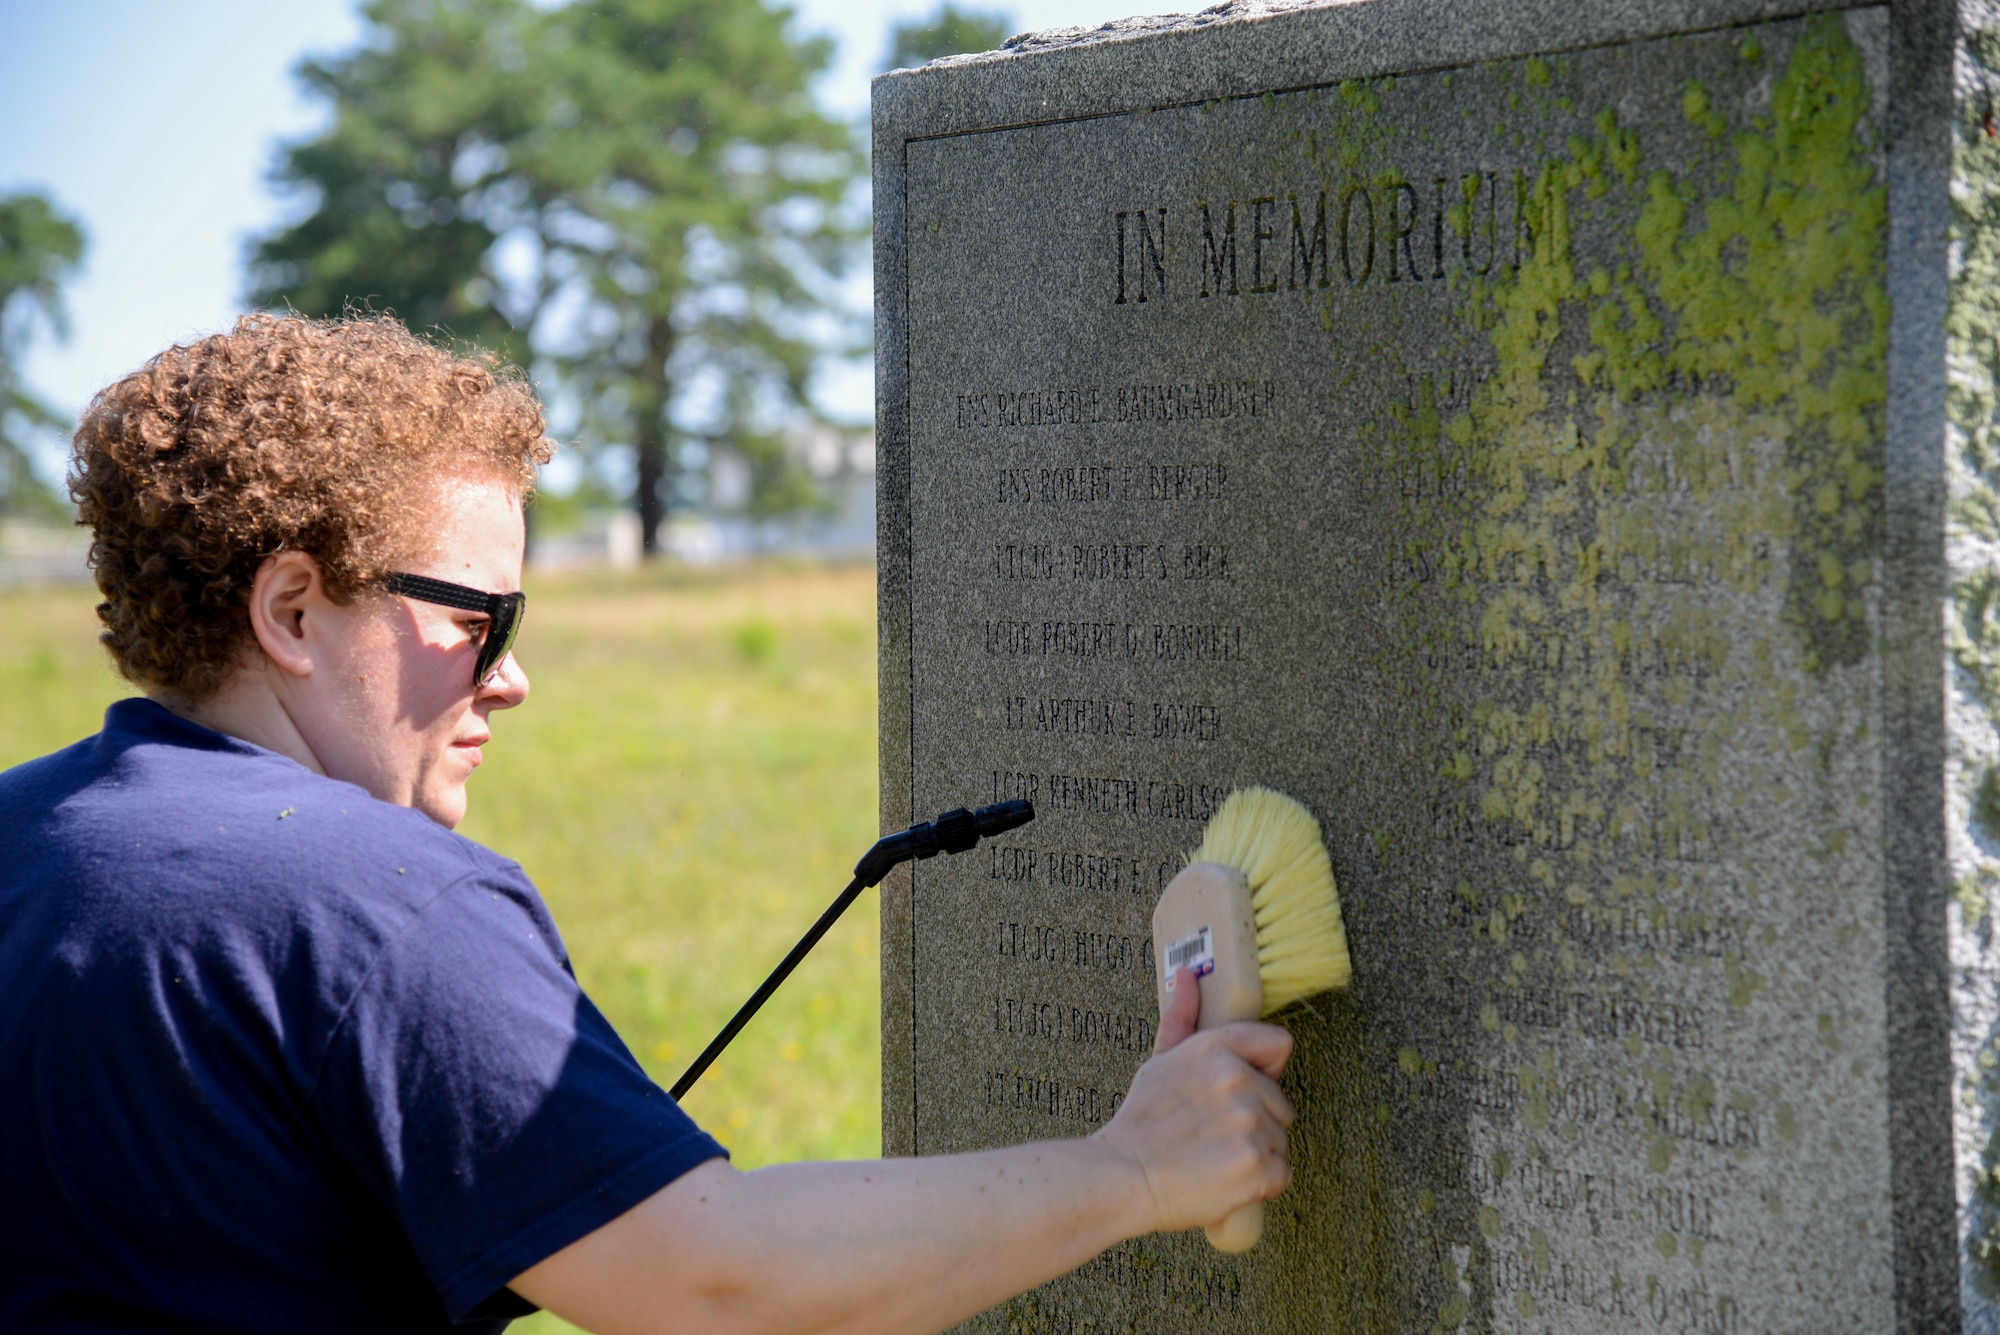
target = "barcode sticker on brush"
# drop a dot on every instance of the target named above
(1196, 951)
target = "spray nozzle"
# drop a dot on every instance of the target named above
(952, 832)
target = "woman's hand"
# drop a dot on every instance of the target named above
(1205, 1120)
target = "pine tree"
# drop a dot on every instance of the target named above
(39, 250)
(413, 185)
(640, 198)
(951, 31)
(700, 188)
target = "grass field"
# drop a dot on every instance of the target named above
(689, 784)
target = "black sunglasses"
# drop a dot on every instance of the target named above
(503, 614)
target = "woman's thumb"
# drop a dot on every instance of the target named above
(1182, 1013)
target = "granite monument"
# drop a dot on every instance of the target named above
(1558, 444)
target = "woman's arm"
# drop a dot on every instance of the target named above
(913, 1245)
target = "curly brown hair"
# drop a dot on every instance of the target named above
(322, 436)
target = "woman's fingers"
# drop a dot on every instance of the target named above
(1265, 1046)
(1281, 1109)
(1205, 1118)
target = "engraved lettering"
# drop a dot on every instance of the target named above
(1304, 252)
(1009, 639)
(1215, 256)
(1205, 561)
(1112, 1029)
(1260, 232)
(1082, 949)
(1347, 198)
(1524, 221)
(1105, 873)
(1403, 200)
(1204, 400)
(1027, 561)
(1187, 482)
(1061, 1100)
(1153, 259)
(1011, 784)
(1197, 644)
(1120, 222)
(1470, 187)
(1070, 718)
(1148, 256)
(1605, 1017)
(1026, 1019)
(1437, 228)
(1202, 723)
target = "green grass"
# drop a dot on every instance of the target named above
(689, 783)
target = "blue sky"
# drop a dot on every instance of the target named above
(155, 125)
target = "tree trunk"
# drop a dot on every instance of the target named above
(649, 432)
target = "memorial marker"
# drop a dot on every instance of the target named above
(1556, 443)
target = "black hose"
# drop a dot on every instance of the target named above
(952, 832)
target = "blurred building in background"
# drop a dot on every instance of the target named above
(40, 552)
(840, 528)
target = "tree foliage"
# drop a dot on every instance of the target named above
(640, 198)
(411, 187)
(697, 204)
(951, 31)
(39, 249)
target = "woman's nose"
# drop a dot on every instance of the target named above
(508, 686)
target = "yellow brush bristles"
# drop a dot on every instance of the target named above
(1274, 842)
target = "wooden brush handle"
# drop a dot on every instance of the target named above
(1212, 898)
(1206, 895)
(1239, 1232)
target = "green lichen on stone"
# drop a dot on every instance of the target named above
(1973, 319)
(1983, 1236)
(1973, 630)
(1684, 396)
(1639, 478)
(1778, 294)
(1986, 805)
(1765, 297)
(1732, 350)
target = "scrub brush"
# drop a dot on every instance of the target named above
(1256, 917)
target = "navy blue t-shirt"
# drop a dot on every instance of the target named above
(277, 1056)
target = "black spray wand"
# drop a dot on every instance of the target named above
(953, 832)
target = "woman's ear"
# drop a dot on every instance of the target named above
(288, 594)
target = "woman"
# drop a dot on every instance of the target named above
(285, 1053)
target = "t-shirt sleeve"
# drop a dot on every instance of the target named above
(486, 1103)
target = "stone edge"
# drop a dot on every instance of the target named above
(1922, 34)
(1247, 50)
